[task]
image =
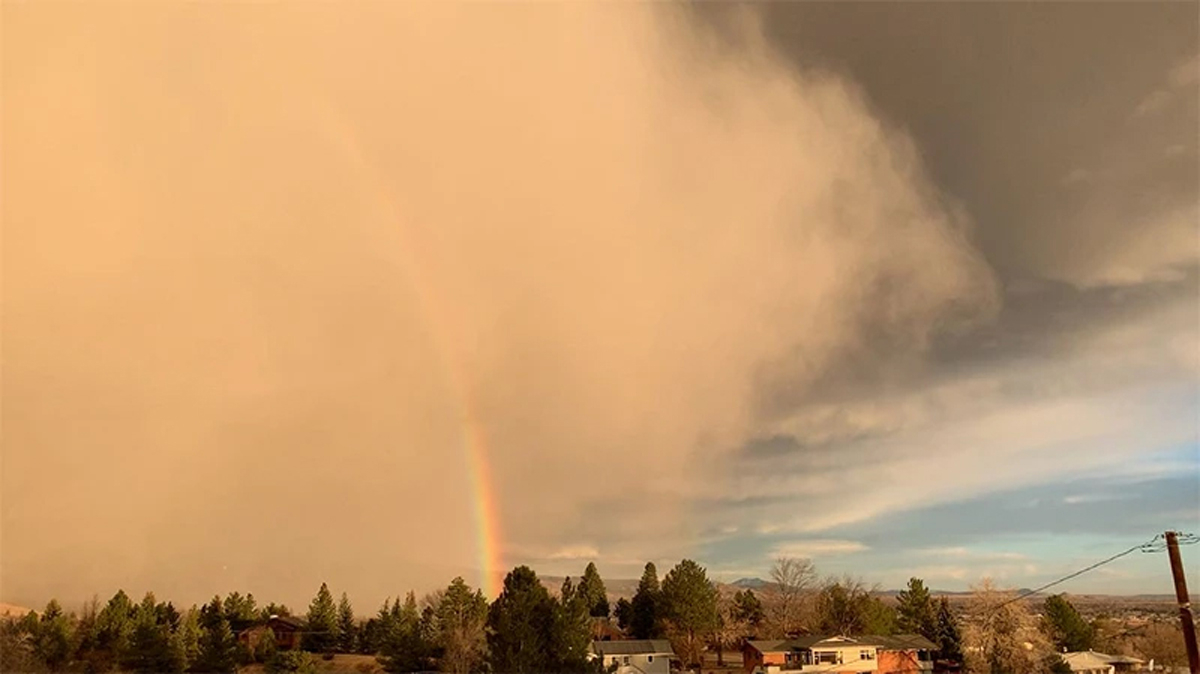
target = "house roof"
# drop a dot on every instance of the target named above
(897, 642)
(288, 620)
(901, 642)
(772, 646)
(633, 647)
(1083, 660)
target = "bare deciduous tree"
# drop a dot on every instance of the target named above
(1163, 643)
(793, 578)
(1002, 635)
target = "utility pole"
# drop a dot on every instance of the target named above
(1185, 606)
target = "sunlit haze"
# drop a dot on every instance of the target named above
(377, 294)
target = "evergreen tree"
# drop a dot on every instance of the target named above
(114, 630)
(189, 636)
(520, 623)
(623, 613)
(878, 617)
(403, 649)
(322, 632)
(152, 648)
(915, 612)
(347, 627)
(266, 648)
(594, 592)
(1065, 627)
(54, 642)
(570, 637)
(461, 623)
(748, 609)
(949, 637)
(646, 620)
(218, 646)
(265, 613)
(846, 607)
(690, 605)
(241, 612)
(369, 637)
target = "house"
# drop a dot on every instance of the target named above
(757, 655)
(286, 631)
(900, 654)
(604, 629)
(639, 656)
(1091, 662)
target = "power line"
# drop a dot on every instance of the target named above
(1152, 545)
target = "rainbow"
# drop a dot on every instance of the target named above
(485, 510)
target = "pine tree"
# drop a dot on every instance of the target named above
(54, 642)
(520, 622)
(690, 606)
(322, 632)
(347, 627)
(114, 630)
(404, 650)
(271, 609)
(461, 621)
(570, 636)
(593, 590)
(189, 637)
(1066, 628)
(623, 613)
(915, 612)
(266, 648)
(949, 638)
(846, 607)
(747, 608)
(152, 646)
(646, 621)
(241, 612)
(218, 646)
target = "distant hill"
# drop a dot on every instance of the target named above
(749, 583)
(12, 610)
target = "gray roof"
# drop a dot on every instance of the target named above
(633, 647)
(901, 642)
(772, 646)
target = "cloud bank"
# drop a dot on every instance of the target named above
(249, 295)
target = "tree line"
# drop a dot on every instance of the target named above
(528, 629)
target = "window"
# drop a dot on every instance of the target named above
(649, 658)
(627, 659)
(866, 655)
(828, 657)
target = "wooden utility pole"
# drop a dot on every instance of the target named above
(1185, 606)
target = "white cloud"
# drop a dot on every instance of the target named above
(576, 552)
(966, 553)
(1077, 499)
(1090, 411)
(816, 548)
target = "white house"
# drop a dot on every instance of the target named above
(899, 654)
(1091, 662)
(641, 656)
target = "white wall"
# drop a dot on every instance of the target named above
(658, 663)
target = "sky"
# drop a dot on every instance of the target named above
(377, 294)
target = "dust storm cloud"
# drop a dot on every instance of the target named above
(261, 261)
